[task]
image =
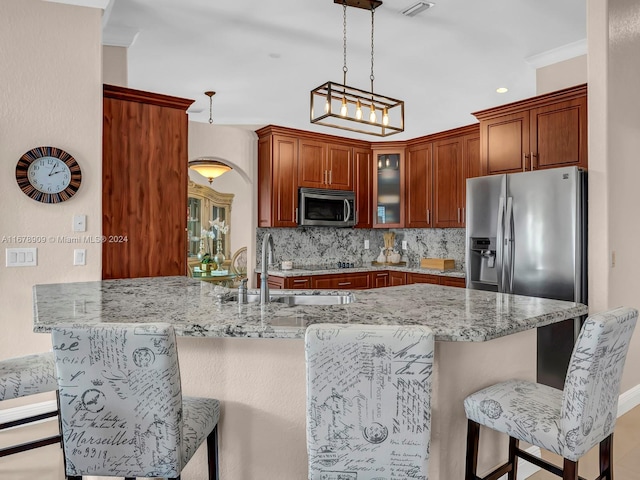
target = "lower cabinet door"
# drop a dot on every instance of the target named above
(349, 281)
(422, 278)
(298, 282)
(379, 279)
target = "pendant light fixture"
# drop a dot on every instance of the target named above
(209, 167)
(341, 106)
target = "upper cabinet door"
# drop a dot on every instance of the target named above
(470, 167)
(559, 134)
(505, 143)
(418, 186)
(363, 186)
(340, 167)
(447, 182)
(312, 164)
(388, 189)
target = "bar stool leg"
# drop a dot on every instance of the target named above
(570, 470)
(513, 459)
(606, 456)
(212, 454)
(473, 437)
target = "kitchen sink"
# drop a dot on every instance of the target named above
(299, 299)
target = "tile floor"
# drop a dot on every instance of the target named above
(46, 463)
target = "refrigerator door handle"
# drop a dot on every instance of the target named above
(509, 242)
(500, 245)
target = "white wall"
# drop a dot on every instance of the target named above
(51, 95)
(115, 69)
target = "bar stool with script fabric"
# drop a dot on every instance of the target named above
(23, 376)
(368, 401)
(567, 422)
(121, 404)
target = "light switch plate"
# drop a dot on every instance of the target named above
(79, 256)
(404, 244)
(79, 223)
(366, 244)
(21, 257)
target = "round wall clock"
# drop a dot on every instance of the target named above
(48, 175)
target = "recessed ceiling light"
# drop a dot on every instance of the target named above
(415, 9)
(502, 90)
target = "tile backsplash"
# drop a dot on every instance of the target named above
(327, 246)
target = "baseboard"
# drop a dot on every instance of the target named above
(629, 400)
(25, 411)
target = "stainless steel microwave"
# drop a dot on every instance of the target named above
(326, 208)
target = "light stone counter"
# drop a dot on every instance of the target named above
(302, 271)
(261, 383)
(454, 314)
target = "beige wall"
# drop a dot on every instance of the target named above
(114, 66)
(51, 95)
(623, 165)
(561, 75)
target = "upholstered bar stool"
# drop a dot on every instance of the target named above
(23, 376)
(368, 401)
(567, 422)
(121, 405)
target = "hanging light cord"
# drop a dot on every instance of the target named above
(344, 42)
(372, 77)
(210, 108)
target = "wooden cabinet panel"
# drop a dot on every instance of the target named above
(348, 281)
(379, 279)
(397, 278)
(144, 146)
(363, 185)
(422, 278)
(506, 144)
(312, 164)
(453, 281)
(546, 131)
(470, 166)
(559, 135)
(277, 181)
(418, 186)
(298, 282)
(340, 167)
(447, 182)
(388, 188)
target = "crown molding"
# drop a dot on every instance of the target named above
(555, 55)
(119, 36)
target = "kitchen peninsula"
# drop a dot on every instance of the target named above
(481, 337)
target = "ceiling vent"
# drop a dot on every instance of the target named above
(415, 9)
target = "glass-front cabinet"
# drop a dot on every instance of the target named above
(388, 188)
(204, 204)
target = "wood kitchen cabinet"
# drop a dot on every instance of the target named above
(347, 281)
(379, 279)
(437, 167)
(388, 186)
(397, 278)
(287, 282)
(363, 184)
(144, 183)
(546, 131)
(325, 165)
(422, 278)
(277, 181)
(453, 281)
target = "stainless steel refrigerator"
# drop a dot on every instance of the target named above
(526, 235)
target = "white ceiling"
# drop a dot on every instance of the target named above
(263, 57)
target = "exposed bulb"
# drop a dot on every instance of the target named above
(327, 106)
(372, 115)
(343, 108)
(385, 117)
(358, 110)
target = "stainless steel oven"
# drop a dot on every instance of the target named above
(326, 208)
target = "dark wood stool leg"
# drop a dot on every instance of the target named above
(212, 453)
(606, 458)
(473, 437)
(73, 477)
(513, 459)
(570, 470)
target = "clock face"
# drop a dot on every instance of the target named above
(48, 175)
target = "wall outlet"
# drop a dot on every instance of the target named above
(366, 244)
(79, 223)
(404, 244)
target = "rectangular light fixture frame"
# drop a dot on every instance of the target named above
(335, 92)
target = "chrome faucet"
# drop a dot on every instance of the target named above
(267, 244)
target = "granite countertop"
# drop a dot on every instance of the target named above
(454, 314)
(302, 271)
